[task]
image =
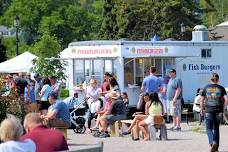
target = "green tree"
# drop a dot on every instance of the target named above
(10, 43)
(214, 11)
(140, 19)
(2, 52)
(109, 25)
(183, 12)
(67, 20)
(48, 63)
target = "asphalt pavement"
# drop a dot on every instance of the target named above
(185, 140)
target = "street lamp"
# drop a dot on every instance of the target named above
(16, 24)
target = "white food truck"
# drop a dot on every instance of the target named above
(129, 61)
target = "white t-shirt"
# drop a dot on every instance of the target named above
(18, 146)
(94, 106)
(196, 106)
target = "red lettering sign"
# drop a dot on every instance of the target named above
(150, 51)
(97, 51)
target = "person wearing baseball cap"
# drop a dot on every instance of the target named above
(58, 113)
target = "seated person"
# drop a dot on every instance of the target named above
(10, 132)
(117, 110)
(156, 109)
(126, 100)
(102, 112)
(140, 117)
(36, 131)
(58, 113)
(94, 104)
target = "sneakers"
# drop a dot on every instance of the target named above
(172, 128)
(97, 134)
(125, 133)
(167, 121)
(104, 135)
(175, 128)
(214, 147)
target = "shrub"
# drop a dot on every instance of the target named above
(10, 104)
(64, 93)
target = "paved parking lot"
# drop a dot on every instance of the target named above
(183, 141)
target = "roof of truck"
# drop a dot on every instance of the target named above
(156, 43)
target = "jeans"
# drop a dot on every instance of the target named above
(212, 121)
(90, 117)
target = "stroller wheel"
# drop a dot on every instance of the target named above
(80, 130)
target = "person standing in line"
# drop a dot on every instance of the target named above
(151, 83)
(214, 98)
(55, 85)
(29, 97)
(38, 87)
(163, 97)
(174, 96)
(46, 89)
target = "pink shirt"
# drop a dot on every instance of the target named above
(107, 105)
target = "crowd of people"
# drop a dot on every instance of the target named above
(159, 98)
(45, 113)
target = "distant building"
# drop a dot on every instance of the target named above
(6, 31)
(219, 32)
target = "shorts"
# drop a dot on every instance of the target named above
(149, 120)
(175, 110)
(154, 119)
(165, 104)
(112, 118)
(44, 105)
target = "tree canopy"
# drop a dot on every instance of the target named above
(78, 20)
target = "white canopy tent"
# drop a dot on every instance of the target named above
(21, 63)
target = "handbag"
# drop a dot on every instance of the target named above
(158, 119)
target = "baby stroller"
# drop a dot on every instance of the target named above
(77, 110)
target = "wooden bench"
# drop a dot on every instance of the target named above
(152, 132)
(115, 128)
(158, 123)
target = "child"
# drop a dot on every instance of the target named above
(125, 99)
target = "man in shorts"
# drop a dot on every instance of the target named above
(174, 96)
(117, 111)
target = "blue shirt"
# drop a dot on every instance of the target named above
(151, 83)
(62, 111)
(29, 94)
(46, 89)
(172, 86)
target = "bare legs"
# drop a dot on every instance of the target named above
(137, 118)
(143, 128)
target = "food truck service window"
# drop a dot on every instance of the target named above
(136, 69)
(85, 69)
